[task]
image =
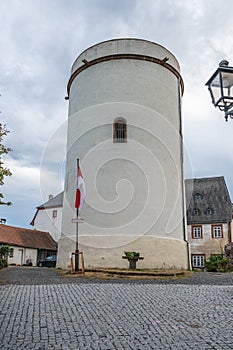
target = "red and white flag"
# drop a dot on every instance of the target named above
(80, 191)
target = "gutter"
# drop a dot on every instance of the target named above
(182, 175)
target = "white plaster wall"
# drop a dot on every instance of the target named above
(207, 245)
(44, 221)
(134, 190)
(65, 247)
(31, 253)
(131, 81)
(155, 251)
(14, 259)
(26, 253)
(122, 46)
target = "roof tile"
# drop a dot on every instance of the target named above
(24, 237)
(207, 193)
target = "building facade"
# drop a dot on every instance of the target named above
(48, 216)
(209, 217)
(124, 127)
(26, 245)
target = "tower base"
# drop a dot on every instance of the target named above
(157, 252)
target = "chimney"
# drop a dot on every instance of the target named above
(50, 197)
(2, 221)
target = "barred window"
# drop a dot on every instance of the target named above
(120, 130)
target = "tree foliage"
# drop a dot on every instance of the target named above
(5, 252)
(3, 170)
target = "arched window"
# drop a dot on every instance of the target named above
(119, 130)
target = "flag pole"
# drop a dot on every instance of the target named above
(76, 241)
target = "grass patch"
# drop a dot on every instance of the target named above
(126, 274)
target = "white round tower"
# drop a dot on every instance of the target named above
(124, 126)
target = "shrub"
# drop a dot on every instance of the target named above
(5, 251)
(132, 254)
(217, 263)
(3, 263)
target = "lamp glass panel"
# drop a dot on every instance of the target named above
(227, 82)
(227, 79)
(215, 81)
(216, 93)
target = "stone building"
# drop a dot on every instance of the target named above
(209, 217)
(125, 128)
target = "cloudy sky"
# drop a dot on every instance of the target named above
(40, 40)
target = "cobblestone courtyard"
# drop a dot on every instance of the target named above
(68, 314)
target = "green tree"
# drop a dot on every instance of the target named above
(5, 252)
(3, 170)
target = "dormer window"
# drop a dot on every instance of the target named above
(209, 211)
(197, 196)
(196, 212)
(119, 130)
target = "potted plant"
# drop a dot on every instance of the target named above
(132, 257)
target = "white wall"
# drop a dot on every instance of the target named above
(134, 190)
(45, 221)
(21, 254)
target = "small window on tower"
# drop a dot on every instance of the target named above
(120, 130)
(54, 213)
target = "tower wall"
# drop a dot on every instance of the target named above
(134, 188)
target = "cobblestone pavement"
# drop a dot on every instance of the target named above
(69, 314)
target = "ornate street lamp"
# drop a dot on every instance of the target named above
(220, 86)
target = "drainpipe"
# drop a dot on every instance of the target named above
(229, 231)
(182, 176)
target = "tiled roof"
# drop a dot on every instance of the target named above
(207, 201)
(56, 201)
(24, 237)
